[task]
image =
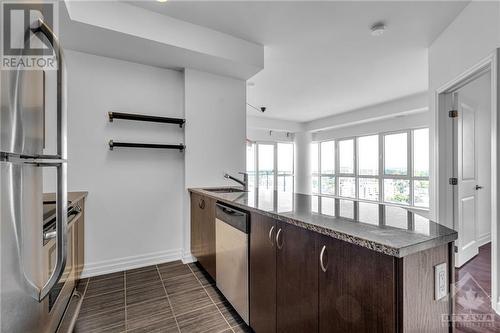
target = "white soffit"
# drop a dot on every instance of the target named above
(413, 104)
(119, 30)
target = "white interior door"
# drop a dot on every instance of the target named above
(466, 172)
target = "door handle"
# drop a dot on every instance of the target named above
(478, 187)
(271, 235)
(321, 261)
(201, 204)
(277, 240)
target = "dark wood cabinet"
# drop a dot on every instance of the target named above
(296, 280)
(303, 281)
(203, 232)
(196, 220)
(357, 288)
(262, 274)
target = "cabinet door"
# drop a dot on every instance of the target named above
(207, 235)
(262, 274)
(356, 288)
(297, 279)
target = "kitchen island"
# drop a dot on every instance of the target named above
(322, 264)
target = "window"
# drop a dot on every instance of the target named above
(368, 162)
(421, 167)
(396, 154)
(270, 166)
(315, 167)
(265, 166)
(285, 167)
(327, 162)
(386, 167)
(368, 155)
(421, 153)
(251, 164)
(346, 156)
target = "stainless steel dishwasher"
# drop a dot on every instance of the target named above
(231, 250)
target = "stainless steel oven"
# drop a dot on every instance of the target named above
(63, 293)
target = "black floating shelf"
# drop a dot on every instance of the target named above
(142, 117)
(113, 144)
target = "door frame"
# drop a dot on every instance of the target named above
(444, 194)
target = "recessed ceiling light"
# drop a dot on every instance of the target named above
(378, 29)
(162, 0)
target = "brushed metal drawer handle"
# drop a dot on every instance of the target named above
(321, 256)
(277, 240)
(271, 235)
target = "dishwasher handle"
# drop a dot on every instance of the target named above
(234, 217)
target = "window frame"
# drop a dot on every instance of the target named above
(381, 176)
(275, 156)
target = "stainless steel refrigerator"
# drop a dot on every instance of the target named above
(33, 110)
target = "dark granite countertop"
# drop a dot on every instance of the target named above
(404, 231)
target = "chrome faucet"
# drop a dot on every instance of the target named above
(243, 182)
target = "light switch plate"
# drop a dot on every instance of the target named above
(440, 281)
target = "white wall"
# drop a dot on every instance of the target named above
(215, 133)
(134, 206)
(471, 37)
(477, 95)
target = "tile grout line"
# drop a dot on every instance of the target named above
(227, 322)
(83, 297)
(168, 299)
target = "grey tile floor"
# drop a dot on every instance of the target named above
(170, 297)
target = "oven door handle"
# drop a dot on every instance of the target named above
(62, 191)
(74, 214)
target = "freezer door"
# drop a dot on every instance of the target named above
(21, 247)
(22, 119)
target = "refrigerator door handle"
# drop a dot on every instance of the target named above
(62, 194)
(40, 27)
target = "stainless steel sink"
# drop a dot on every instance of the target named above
(225, 190)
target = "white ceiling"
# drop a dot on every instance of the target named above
(320, 58)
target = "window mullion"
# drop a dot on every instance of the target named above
(337, 166)
(319, 169)
(381, 167)
(257, 170)
(410, 164)
(275, 185)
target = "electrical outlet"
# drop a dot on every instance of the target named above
(440, 281)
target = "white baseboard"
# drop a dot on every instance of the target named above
(484, 239)
(188, 258)
(121, 264)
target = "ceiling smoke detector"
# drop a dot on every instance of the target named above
(378, 29)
